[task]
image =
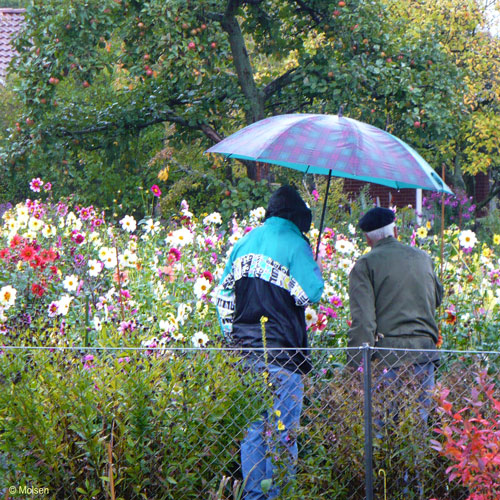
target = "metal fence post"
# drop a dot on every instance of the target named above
(367, 391)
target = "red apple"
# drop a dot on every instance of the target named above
(341, 3)
(213, 45)
(191, 45)
(336, 13)
(149, 72)
(417, 124)
(85, 83)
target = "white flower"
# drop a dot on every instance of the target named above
(345, 265)
(467, 239)
(128, 259)
(70, 283)
(150, 226)
(258, 213)
(49, 230)
(95, 239)
(97, 323)
(314, 233)
(29, 235)
(12, 226)
(7, 296)
(104, 252)
(213, 218)
(128, 223)
(35, 224)
(180, 237)
(344, 246)
(63, 305)
(235, 237)
(183, 312)
(201, 287)
(311, 316)
(22, 211)
(95, 267)
(352, 229)
(110, 260)
(199, 339)
(168, 325)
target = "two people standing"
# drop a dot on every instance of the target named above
(272, 273)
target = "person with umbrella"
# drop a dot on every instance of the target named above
(269, 279)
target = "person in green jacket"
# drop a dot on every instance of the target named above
(394, 293)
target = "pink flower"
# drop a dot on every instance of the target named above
(336, 301)
(315, 195)
(47, 186)
(156, 190)
(36, 184)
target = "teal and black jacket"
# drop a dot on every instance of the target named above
(270, 272)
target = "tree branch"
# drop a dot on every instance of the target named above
(278, 83)
(303, 6)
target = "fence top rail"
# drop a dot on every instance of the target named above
(237, 349)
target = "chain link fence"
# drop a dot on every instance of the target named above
(172, 424)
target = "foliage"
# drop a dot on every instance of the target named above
(98, 79)
(471, 438)
(159, 425)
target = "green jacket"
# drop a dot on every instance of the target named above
(393, 294)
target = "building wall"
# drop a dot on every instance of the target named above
(386, 196)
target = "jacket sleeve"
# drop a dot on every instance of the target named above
(306, 272)
(224, 299)
(362, 305)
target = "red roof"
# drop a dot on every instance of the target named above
(11, 22)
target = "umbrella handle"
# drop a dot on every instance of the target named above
(323, 212)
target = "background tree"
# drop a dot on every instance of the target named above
(115, 90)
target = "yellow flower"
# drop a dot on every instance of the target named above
(422, 232)
(428, 225)
(277, 413)
(496, 239)
(487, 252)
(281, 426)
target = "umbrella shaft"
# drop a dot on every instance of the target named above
(323, 212)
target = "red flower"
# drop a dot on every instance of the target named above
(4, 253)
(208, 275)
(48, 255)
(37, 261)
(156, 190)
(28, 253)
(37, 289)
(320, 323)
(15, 241)
(174, 255)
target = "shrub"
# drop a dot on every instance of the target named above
(471, 439)
(159, 426)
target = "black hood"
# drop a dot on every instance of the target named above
(287, 204)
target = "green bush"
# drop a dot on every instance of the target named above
(169, 423)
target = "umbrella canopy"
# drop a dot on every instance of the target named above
(332, 145)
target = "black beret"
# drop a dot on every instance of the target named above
(376, 218)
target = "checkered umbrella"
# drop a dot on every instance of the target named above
(333, 145)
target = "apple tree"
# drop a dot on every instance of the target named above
(109, 86)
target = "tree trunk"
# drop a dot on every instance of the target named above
(246, 80)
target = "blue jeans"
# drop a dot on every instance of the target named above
(259, 447)
(394, 379)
